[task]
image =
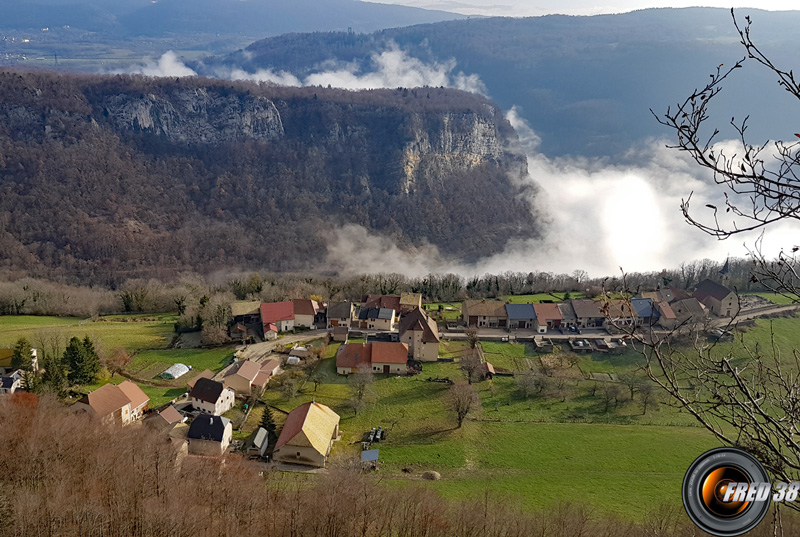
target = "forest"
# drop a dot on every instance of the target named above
(105, 178)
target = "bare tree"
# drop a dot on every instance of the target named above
(471, 363)
(472, 337)
(461, 399)
(529, 383)
(361, 391)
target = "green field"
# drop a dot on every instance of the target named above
(149, 364)
(775, 298)
(539, 297)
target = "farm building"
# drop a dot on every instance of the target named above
(176, 371)
(307, 435)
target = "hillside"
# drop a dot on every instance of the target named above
(585, 84)
(105, 177)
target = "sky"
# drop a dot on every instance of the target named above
(531, 8)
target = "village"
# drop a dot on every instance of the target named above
(284, 346)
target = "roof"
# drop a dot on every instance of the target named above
(176, 370)
(208, 427)
(666, 310)
(106, 400)
(261, 379)
(587, 309)
(417, 320)
(270, 365)
(207, 390)
(271, 327)
(310, 425)
(644, 307)
(248, 370)
(245, 307)
(206, 374)
(376, 313)
(134, 393)
(340, 310)
(305, 306)
(272, 312)
(689, 305)
(354, 355)
(410, 299)
(341, 329)
(618, 309)
(547, 311)
(485, 308)
(520, 311)
(381, 301)
(567, 312)
(171, 415)
(260, 438)
(386, 352)
(708, 288)
(672, 294)
(5, 357)
(487, 368)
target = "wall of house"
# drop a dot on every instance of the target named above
(306, 456)
(239, 384)
(306, 321)
(223, 404)
(211, 448)
(344, 370)
(138, 412)
(377, 367)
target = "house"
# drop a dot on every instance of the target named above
(720, 300)
(175, 371)
(378, 357)
(209, 435)
(6, 356)
(246, 311)
(164, 419)
(257, 447)
(281, 314)
(421, 333)
(484, 313)
(666, 317)
(410, 301)
(114, 404)
(620, 313)
(588, 313)
(211, 396)
(377, 318)
(11, 382)
(307, 435)
(206, 374)
(341, 333)
(241, 380)
(391, 302)
(646, 311)
(268, 369)
(270, 331)
(521, 316)
(305, 312)
(341, 314)
(389, 357)
(548, 316)
(568, 317)
(138, 399)
(689, 310)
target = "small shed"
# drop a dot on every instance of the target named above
(260, 441)
(176, 371)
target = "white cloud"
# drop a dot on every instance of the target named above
(167, 65)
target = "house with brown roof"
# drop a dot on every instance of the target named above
(211, 396)
(548, 316)
(164, 419)
(421, 333)
(242, 377)
(341, 314)
(305, 312)
(281, 314)
(720, 300)
(619, 313)
(382, 301)
(689, 310)
(269, 369)
(114, 404)
(484, 313)
(666, 317)
(377, 357)
(307, 435)
(588, 313)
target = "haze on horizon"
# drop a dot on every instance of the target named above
(527, 8)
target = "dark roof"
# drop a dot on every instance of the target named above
(305, 306)
(585, 308)
(708, 288)
(208, 427)
(520, 311)
(483, 308)
(381, 301)
(567, 311)
(207, 390)
(376, 313)
(418, 320)
(644, 307)
(339, 310)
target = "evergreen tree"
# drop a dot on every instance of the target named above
(82, 361)
(23, 356)
(267, 422)
(54, 378)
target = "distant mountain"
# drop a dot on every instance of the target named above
(110, 176)
(168, 18)
(585, 84)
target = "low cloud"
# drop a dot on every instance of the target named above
(167, 65)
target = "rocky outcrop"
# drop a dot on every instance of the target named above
(198, 115)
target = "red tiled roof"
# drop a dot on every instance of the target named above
(546, 311)
(272, 312)
(382, 301)
(134, 393)
(354, 355)
(385, 352)
(171, 415)
(106, 400)
(305, 306)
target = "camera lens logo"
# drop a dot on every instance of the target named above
(726, 492)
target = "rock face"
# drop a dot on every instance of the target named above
(132, 174)
(196, 115)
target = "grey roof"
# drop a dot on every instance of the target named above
(585, 308)
(644, 307)
(520, 311)
(207, 390)
(339, 310)
(375, 313)
(708, 288)
(567, 311)
(208, 427)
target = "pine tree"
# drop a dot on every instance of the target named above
(54, 378)
(23, 356)
(267, 422)
(82, 361)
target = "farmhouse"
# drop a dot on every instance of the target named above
(268, 369)
(548, 316)
(484, 313)
(689, 310)
(246, 311)
(281, 314)
(114, 404)
(521, 316)
(619, 313)
(588, 313)
(378, 357)
(307, 435)
(210, 435)
(377, 318)
(305, 312)
(211, 396)
(241, 380)
(341, 314)
(421, 333)
(720, 300)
